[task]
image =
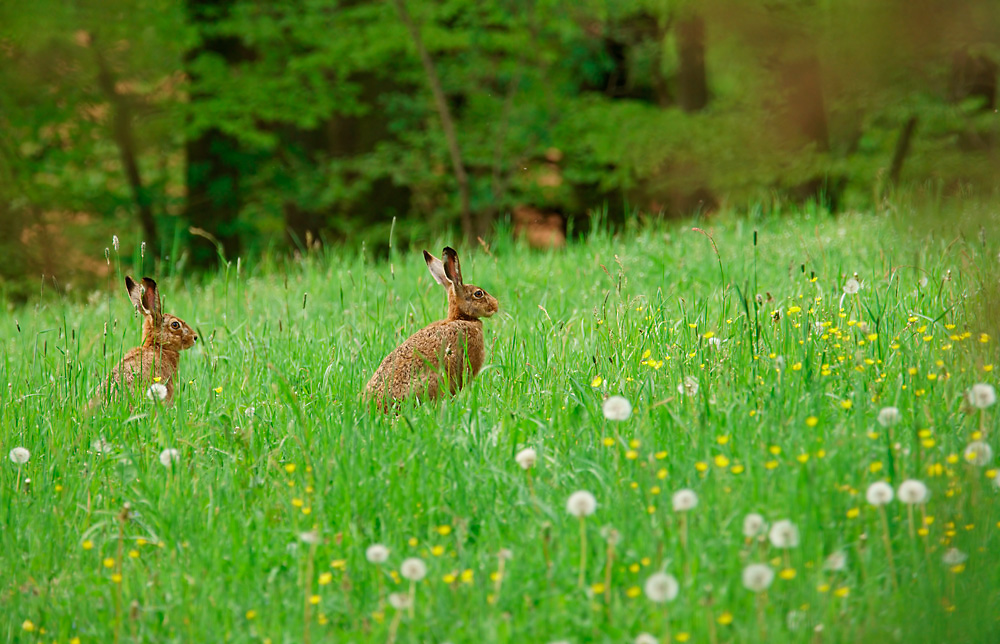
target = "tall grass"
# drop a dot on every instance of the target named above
(756, 381)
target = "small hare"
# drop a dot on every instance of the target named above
(153, 363)
(452, 348)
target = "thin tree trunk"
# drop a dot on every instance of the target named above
(692, 88)
(122, 134)
(447, 123)
(902, 149)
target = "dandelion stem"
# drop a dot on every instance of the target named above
(607, 575)
(583, 550)
(307, 613)
(394, 626)
(666, 625)
(761, 601)
(413, 596)
(909, 518)
(888, 546)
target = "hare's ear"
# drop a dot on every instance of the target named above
(436, 268)
(150, 297)
(452, 269)
(135, 294)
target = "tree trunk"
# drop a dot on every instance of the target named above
(213, 157)
(902, 149)
(692, 87)
(470, 229)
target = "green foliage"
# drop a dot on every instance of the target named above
(275, 444)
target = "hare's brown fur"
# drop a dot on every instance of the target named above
(452, 348)
(164, 336)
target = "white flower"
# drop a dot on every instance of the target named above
(526, 458)
(20, 455)
(157, 391)
(169, 456)
(376, 553)
(617, 408)
(836, 562)
(981, 395)
(689, 387)
(922, 282)
(753, 525)
(714, 343)
(101, 446)
(852, 286)
(912, 492)
(758, 577)
(684, 500)
(581, 504)
(978, 453)
(400, 601)
(413, 569)
(784, 534)
(879, 493)
(661, 587)
(889, 416)
(311, 537)
(953, 557)
(646, 638)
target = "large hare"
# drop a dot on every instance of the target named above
(155, 362)
(452, 348)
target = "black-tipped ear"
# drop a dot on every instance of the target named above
(150, 296)
(451, 266)
(436, 268)
(134, 293)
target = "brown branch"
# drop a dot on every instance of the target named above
(122, 134)
(902, 150)
(444, 113)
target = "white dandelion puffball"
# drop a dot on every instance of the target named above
(913, 492)
(376, 553)
(889, 416)
(684, 500)
(581, 504)
(617, 408)
(689, 387)
(661, 587)
(157, 391)
(784, 534)
(20, 455)
(526, 458)
(101, 446)
(836, 562)
(981, 395)
(400, 601)
(169, 456)
(852, 286)
(922, 282)
(953, 557)
(753, 525)
(646, 638)
(714, 343)
(978, 453)
(758, 577)
(311, 537)
(413, 569)
(879, 493)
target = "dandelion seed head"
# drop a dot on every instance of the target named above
(684, 500)
(922, 282)
(889, 416)
(913, 492)
(689, 387)
(646, 638)
(978, 453)
(581, 504)
(753, 525)
(311, 537)
(836, 561)
(20, 455)
(661, 587)
(526, 458)
(852, 286)
(981, 395)
(879, 493)
(758, 577)
(953, 557)
(101, 446)
(157, 391)
(376, 553)
(413, 569)
(617, 408)
(169, 456)
(784, 534)
(400, 601)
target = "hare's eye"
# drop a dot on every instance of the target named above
(478, 294)
(175, 325)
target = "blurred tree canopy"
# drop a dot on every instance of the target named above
(214, 126)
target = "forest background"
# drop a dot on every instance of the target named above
(210, 129)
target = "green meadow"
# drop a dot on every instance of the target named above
(773, 365)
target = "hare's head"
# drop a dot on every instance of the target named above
(465, 301)
(158, 329)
